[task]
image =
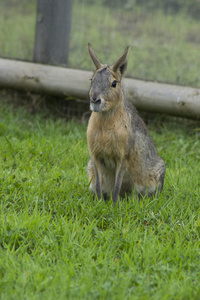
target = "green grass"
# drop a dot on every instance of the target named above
(163, 47)
(56, 242)
(17, 28)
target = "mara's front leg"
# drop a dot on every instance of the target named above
(118, 181)
(95, 178)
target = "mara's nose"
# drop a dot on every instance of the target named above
(95, 99)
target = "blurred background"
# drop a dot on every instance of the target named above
(164, 35)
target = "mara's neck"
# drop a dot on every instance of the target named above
(112, 115)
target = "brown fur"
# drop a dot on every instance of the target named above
(122, 154)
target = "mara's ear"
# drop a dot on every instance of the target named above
(121, 63)
(94, 57)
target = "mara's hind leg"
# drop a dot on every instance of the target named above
(162, 177)
(156, 180)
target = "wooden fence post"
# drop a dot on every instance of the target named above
(52, 31)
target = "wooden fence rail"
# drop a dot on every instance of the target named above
(58, 81)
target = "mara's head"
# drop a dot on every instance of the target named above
(106, 89)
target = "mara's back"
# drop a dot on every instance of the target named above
(123, 156)
(146, 168)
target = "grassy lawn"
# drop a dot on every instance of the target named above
(164, 48)
(56, 242)
(17, 28)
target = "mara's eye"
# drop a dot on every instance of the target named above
(114, 83)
